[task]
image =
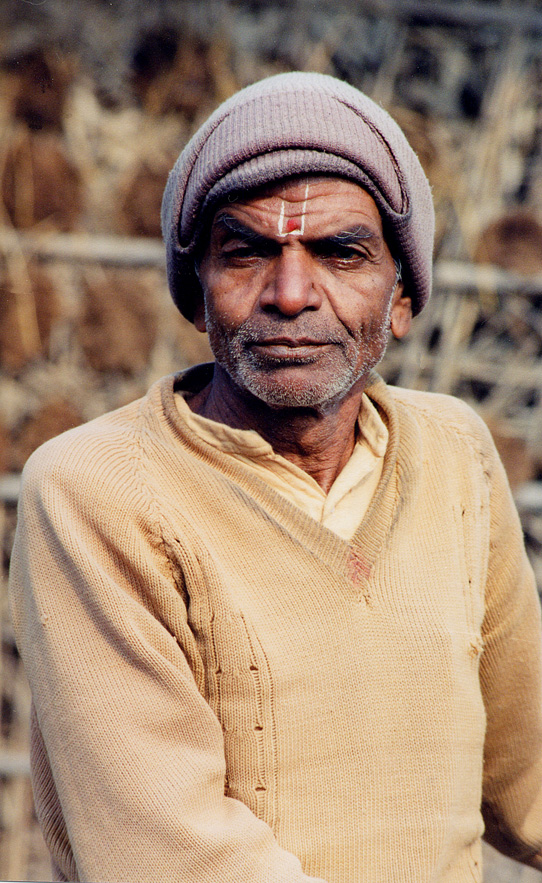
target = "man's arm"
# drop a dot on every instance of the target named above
(511, 680)
(128, 756)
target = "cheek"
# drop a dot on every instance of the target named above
(225, 300)
(362, 306)
(231, 297)
(355, 312)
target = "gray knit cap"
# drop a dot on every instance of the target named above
(290, 124)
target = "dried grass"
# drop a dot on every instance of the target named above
(180, 74)
(513, 242)
(29, 308)
(39, 184)
(35, 83)
(119, 324)
(141, 199)
(56, 416)
(520, 461)
(4, 448)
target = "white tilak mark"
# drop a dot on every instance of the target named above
(304, 209)
(300, 231)
(281, 219)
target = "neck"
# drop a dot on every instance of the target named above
(319, 441)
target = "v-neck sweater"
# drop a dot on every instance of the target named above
(344, 505)
(225, 691)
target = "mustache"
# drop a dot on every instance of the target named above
(299, 328)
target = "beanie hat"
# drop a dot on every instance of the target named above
(298, 124)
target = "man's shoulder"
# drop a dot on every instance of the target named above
(438, 417)
(99, 450)
(435, 406)
(89, 437)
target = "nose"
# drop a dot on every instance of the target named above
(291, 288)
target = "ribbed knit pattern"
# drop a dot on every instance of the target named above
(227, 692)
(299, 123)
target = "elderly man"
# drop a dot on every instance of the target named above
(276, 616)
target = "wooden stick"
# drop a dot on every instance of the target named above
(120, 251)
(14, 763)
(435, 12)
(132, 251)
(10, 486)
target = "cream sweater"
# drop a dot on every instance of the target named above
(347, 500)
(228, 692)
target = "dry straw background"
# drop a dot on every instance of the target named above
(96, 100)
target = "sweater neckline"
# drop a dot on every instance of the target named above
(355, 557)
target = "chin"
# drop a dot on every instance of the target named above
(317, 384)
(285, 393)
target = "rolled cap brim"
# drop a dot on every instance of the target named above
(298, 124)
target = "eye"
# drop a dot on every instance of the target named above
(240, 250)
(337, 252)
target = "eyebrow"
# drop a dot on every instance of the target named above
(352, 236)
(231, 224)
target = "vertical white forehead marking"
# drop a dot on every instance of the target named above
(299, 230)
(304, 208)
(281, 219)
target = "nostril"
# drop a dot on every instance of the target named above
(290, 287)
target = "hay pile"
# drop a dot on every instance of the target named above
(97, 99)
(75, 341)
(86, 146)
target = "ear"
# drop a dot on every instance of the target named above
(199, 314)
(401, 313)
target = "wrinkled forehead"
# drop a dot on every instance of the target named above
(295, 201)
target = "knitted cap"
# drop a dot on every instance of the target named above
(298, 124)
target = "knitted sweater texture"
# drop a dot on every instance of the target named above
(227, 692)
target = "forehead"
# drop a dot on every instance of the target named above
(293, 205)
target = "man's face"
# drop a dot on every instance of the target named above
(300, 291)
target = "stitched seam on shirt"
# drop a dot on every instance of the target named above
(271, 805)
(467, 432)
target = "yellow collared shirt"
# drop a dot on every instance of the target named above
(340, 510)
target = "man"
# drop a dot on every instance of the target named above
(277, 617)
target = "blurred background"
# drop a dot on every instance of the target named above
(98, 97)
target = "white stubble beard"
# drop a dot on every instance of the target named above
(349, 361)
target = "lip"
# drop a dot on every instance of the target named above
(288, 347)
(291, 342)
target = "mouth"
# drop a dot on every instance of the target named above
(289, 348)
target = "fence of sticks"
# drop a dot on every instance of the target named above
(86, 323)
(480, 339)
